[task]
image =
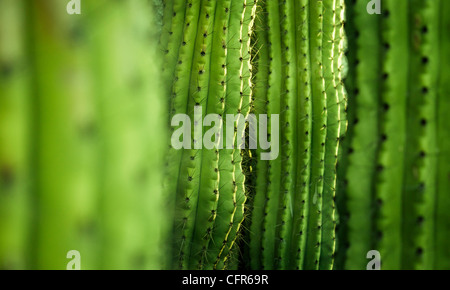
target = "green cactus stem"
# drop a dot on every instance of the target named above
(393, 175)
(212, 76)
(306, 67)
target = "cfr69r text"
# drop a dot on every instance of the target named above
(247, 279)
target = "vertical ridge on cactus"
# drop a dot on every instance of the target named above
(288, 127)
(304, 132)
(271, 211)
(189, 179)
(260, 107)
(208, 178)
(394, 77)
(319, 133)
(420, 161)
(183, 224)
(442, 214)
(218, 91)
(229, 185)
(394, 151)
(363, 135)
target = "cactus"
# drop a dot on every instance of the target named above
(442, 250)
(212, 75)
(80, 127)
(393, 180)
(88, 102)
(305, 60)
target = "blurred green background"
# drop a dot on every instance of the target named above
(82, 135)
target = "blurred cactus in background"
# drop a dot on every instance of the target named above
(82, 135)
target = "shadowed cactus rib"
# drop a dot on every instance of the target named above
(420, 158)
(429, 79)
(404, 197)
(229, 186)
(363, 136)
(179, 164)
(341, 68)
(394, 76)
(190, 179)
(260, 104)
(178, 96)
(247, 10)
(215, 105)
(442, 260)
(270, 239)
